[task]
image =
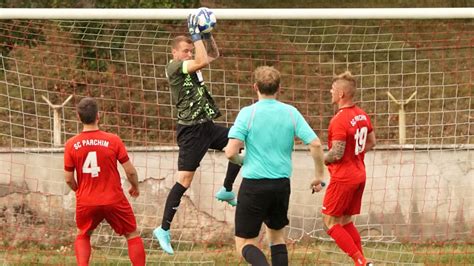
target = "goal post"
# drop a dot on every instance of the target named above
(239, 13)
(417, 200)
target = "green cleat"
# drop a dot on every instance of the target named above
(227, 196)
(164, 238)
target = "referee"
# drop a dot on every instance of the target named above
(267, 130)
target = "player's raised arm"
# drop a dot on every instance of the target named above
(132, 177)
(211, 46)
(205, 46)
(206, 21)
(200, 60)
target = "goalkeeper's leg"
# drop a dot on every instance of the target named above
(174, 198)
(230, 175)
(219, 142)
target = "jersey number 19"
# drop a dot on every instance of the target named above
(90, 165)
(360, 138)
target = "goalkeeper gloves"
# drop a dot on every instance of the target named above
(194, 31)
(193, 28)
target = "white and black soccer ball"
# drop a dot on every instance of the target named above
(206, 19)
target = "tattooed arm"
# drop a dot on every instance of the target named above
(206, 51)
(211, 48)
(335, 153)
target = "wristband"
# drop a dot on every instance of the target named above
(206, 36)
(196, 37)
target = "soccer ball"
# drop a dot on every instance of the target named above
(206, 19)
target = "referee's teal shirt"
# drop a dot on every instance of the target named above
(268, 129)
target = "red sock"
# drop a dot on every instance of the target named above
(82, 246)
(136, 251)
(345, 242)
(352, 231)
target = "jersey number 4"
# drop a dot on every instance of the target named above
(90, 165)
(360, 138)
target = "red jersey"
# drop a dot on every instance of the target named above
(352, 125)
(94, 156)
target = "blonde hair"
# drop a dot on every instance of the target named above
(347, 82)
(267, 79)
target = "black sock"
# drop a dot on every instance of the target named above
(254, 256)
(230, 175)
(171, 206)
(279, 255)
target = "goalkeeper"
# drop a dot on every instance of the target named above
(267, 129)
(195, 131)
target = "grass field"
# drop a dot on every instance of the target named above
(310, 254)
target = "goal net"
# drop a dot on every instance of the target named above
(414, 79)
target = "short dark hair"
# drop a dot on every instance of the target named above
(179, 39)
(267, 79)
(87, 110)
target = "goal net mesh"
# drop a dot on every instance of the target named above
(418, 201)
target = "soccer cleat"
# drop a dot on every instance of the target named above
(164, 238)
(228, 196)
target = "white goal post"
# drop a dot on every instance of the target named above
(239, 13)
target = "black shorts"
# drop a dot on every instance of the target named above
(261, 200)
(195, 140)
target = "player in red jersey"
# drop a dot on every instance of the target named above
(350, 136)
(93, 154)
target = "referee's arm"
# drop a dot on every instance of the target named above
(232, 151)
(317, 153)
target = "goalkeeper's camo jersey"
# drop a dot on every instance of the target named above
(192, 99)
(94, 156)
(352, 125)
(268, 129)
